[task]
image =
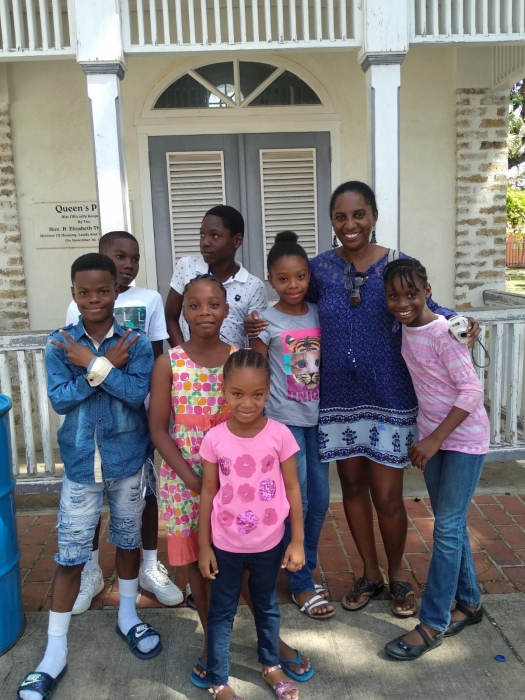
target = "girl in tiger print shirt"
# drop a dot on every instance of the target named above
(292, 341)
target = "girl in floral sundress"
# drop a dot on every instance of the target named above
(187, 381)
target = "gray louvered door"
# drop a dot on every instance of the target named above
(277, 181)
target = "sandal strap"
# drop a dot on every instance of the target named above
(283, 688)
(363, 586)
(429, 641)
(39, 682)
(463, 609)
(139, 632)
(400, 590)
(271, 669)
(315, 602)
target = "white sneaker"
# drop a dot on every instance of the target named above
(155, 579)
(91, 584)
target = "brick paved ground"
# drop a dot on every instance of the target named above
(497, 534)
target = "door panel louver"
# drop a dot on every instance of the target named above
(288, 194)
(196, 184)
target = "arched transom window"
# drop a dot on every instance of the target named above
(234, 84)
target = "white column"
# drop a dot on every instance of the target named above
(103, 83)
(385, 43)
(383, 82)
(101, 55)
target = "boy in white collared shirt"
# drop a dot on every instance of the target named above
(221, 235)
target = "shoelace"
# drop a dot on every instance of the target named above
(159, 574)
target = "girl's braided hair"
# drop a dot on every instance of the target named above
(205, 276)
(406, 270)
(285, 244)
(246, 358)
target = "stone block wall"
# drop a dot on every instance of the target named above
(481, 187)
(14, 315)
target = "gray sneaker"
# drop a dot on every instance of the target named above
(91, 584)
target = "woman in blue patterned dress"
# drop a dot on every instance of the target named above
(368, 407)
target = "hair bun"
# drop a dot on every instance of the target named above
(286, 237)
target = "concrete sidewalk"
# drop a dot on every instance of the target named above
(347, 652)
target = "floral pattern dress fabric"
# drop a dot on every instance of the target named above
(367, 402)
(195, 396)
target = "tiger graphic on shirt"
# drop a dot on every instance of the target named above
(302, 359)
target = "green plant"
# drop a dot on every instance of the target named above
(516, 211)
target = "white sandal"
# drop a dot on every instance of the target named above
(316, 601)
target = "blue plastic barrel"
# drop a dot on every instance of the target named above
(11, 607)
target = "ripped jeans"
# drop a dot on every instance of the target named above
(80, 509)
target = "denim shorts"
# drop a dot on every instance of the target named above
(151, 478)
(80, 509)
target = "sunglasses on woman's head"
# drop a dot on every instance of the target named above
(353, 283)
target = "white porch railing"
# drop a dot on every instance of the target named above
(23, 379)
(191, 25)
(32, 28)
(22, 365)
(467, 20)
(503, 334)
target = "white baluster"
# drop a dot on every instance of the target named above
(153, 22)
(5, 387)
(342, 20)
(204, 22)
(5, 21)
(318, 20)
(217, 16)
(495, 379)
(435, 18)
(280, 22)
(178, 22)
(521, 14)
(513, 371)
(140, 22)
(191, 21)
(242, 21)
(231, 26)
(18, 23)
(268, 20)
(126, 23)
(306, 19)
(166, 22)
(448, 18)
(43, 411)
(44, 23)
(255, 21)
(458, 11)
(496, 14)
(292, 20)
(330, 19)
(509, 17)
(422, 18)
(31, 25)
(25, 405)
(485, 16)
(472, 18)
(57, 24)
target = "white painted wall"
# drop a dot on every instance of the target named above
(54, 162)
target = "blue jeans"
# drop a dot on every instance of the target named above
(451, 479)
(315, 495)
(264, 568)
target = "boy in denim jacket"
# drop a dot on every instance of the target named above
(99, 376)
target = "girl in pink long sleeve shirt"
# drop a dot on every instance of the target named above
(453, 440)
